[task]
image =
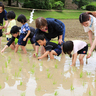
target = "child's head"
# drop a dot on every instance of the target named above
(15, 31)
(41, 23)
(68, 47)
(1, 7)
(85, 19)
(40, 39)
(21, 18)
(11, 15)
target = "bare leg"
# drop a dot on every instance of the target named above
(42, 50)
(12, 46)
(0, 40)
(52, 53)
(81, 58)
(16, 48)
(33, 46)
(24, 49)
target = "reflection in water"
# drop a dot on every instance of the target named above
(25, 74)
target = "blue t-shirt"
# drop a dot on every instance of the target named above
(24, 28)
(3, 16)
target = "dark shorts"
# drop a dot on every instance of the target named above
(83, 50)
(20, 40)
(8, 39)
(0, 33)
(32, 40)
(58, 50)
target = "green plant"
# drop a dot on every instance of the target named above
(23, 94)
(81, 74)
(39, 88)
(47, 69)
(20, 69)
(6, 64)
(33, 66)
(20, 59)
(17, 74)
(56, 93)
(3, 69)
(90, 93)
(72, 88)
(56, 66)
(9, 59)
(49, 75)
(32, 71)
(88, 73)
(54, 82)
(0, 86)
(7, 78)
(20, 82)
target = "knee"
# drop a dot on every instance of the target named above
(80, 59)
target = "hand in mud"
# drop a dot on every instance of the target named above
(2, 50)
(35, 55)
(89, 54)
(39, 58)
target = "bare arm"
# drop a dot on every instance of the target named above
(6, 46)
(36, 52)
(74, 57)
(60, 39)
(26, 36)
(6, 23)
(44, 55)
(16, 49)
(90, 37)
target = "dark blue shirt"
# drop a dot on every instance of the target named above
(55, 28)
(3, 16)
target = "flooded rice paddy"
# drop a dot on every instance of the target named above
(23, 75)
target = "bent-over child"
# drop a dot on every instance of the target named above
(78, 47)
(15, 34)
(50, 47)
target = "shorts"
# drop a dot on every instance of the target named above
(58, 50)
(83, 50)
(8, 39)
(32, 40)
(20, 40)
(0, 33)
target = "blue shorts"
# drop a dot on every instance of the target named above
(83, 50)
(58, 50)
(20, 40)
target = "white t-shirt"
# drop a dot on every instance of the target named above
(78, 45)
(93, 27)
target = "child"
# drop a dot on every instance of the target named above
(51, 28)
(78, 47)
(10, 16)
(3, 14)
(89, 24)
(50, 48)
(24, 33)
(15, 34)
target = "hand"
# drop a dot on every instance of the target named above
(7, 33)
(2, 50)
(89, 54)
(1, 27)
(39, 58)
(5, 26)
(60, 41)
(24, 39)
(35, 55)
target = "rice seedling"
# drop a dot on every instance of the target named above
(83, 83)
(6, 64)
(7, 78)
(49, 75)
(33, 66)
(20, 59)
(56, 66)
(28, 60)
(20, 69)
(94, 80)
(0, 86)
(90, 93)
(88, 73)
(81, 74)
(72, 88)
(54, 82)
(47, 69)
(56, 93)
(36, 55)
(39, 88)
(23, 94)
(9, 59)
(20, 83)
(17, 74)
(41, 64)
(32, 71)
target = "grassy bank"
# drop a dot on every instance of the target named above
(65, 14)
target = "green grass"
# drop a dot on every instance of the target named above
(65, 14)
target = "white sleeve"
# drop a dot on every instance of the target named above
(95, 30)
(86, 29)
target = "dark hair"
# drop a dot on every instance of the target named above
(84, 17)
(14, 29)
(2, 5)
(68, 47)
(40, 22)
(21, 18)
(11, 15)
(39, 36)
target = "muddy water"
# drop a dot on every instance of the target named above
(23, 75)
